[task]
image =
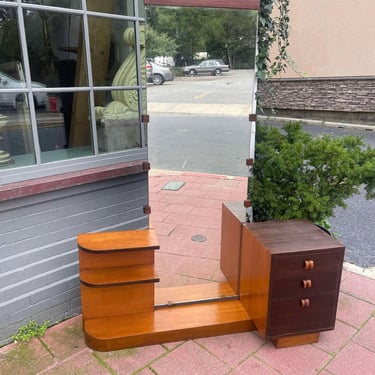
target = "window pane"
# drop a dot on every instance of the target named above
(118, 124)
(9, 39)
(64, 128)
(55, 44)
(114, 55)
(16, 139)
(123, 7)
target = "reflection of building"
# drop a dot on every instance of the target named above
(332, 75)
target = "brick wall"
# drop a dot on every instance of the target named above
(348, 98)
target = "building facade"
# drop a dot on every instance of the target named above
(331, 72)
(73, 145)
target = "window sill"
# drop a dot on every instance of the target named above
(66, 180)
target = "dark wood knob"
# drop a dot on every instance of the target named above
(308, 264)
(305, 302)
(307, 283)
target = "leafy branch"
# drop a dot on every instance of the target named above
(272, 30)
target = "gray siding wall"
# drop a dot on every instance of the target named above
(38, 252)
(346, 98)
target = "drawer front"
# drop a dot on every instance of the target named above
(313, 283)
(290, 316)
(312, 272)
(294, 264)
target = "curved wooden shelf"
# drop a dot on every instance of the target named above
(105, 277)
(130, 240)
(167, 325)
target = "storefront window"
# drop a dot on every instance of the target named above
(72, 80)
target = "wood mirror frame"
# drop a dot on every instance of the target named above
(234, 4)
(212, 291)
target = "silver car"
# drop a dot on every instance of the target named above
(214, 67)
(160, 74)
(14, 99)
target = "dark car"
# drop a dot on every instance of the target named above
(214, 67)
(160, 74)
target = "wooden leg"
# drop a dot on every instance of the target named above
(287, 341)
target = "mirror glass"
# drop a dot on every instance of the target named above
(199, 122)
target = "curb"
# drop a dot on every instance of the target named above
(320, 122)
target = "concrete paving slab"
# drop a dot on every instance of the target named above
(232, 349)
(130, 360)
(354, 359)
(190, 358)
(366, 336)
(27, 358)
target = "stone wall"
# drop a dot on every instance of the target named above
(344, 99)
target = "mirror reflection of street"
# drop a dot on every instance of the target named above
(200, 124)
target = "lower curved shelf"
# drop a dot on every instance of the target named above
(168, 324)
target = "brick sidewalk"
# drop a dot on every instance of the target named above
(195, 210)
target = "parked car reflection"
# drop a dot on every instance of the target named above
(214, 67)
(16, 99)
(159, 74)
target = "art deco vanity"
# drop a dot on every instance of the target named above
(283, 279)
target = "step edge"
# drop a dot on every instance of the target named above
(123, 250)
(121, 283)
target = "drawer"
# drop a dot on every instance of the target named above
(327, 280)
(288, 317)
(293, 265)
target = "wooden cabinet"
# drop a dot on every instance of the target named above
(290, 279)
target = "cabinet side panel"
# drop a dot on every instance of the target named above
(231, 221)
(254, 279)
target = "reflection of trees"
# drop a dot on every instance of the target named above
(222, 33)
(41, 54)
(10, 49)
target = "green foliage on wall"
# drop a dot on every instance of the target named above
(273, 27)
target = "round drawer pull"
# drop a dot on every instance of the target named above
(307, 283)
(308, 264)
(305, 302)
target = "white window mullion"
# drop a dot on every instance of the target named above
(139, 73)
(26, 65)
(86, 44)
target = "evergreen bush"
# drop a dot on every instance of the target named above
(296, 176)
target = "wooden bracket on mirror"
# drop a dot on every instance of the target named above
(146, 119)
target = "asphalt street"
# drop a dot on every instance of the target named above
(200, 124)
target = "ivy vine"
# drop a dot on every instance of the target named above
(272, 30)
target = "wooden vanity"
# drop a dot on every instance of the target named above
(283, 279)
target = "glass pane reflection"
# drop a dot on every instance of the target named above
(16, 139)
(55, 44)
(64, 128)
(118, 125)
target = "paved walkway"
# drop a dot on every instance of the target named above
(177, 216)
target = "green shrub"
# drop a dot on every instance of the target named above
(296, 176)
